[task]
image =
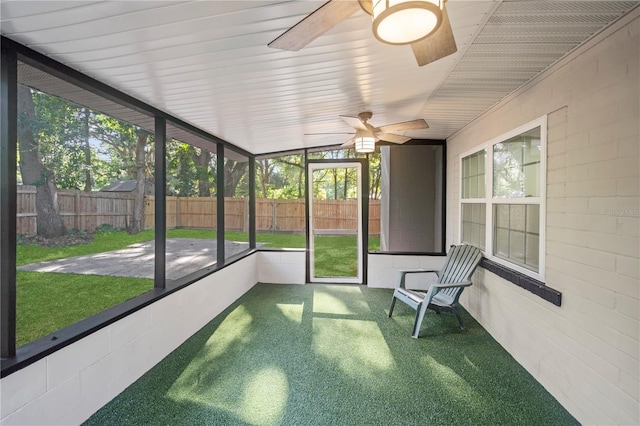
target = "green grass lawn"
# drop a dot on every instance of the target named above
(108, 241)
(335, 256)
(47, 302)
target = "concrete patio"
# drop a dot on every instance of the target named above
(183, 256)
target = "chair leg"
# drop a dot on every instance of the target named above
(457, 312)
(393, 303)
(422, 309)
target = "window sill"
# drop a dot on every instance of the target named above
(534, 286)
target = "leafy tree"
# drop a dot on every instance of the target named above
(280, 177)
(375, 175)
(63, 139)
(130, 148)
(202, 160)
(190, 170)
(234, 172)
(180, 169)
(32, 169)
(292, 170)
(138, 198)
(265, 169)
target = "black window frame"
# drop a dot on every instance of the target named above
(15, 358)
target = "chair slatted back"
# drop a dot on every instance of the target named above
(461, 262)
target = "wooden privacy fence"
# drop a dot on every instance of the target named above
(80, 210)
(285, 216)
(86, 211)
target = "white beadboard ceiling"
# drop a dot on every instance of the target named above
(207, 62)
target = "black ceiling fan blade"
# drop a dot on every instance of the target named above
(438, 45)
(315, 24)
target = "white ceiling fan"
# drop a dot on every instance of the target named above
(424, 24)
(366, 135)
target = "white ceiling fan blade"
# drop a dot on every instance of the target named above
(389, 137)
(354, 122)
(315, 24)
(348, 143)
(405, 125)
(438, 45)
(329, 133)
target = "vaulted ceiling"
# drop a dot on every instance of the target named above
(207, 62)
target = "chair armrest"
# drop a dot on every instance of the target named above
(403, 274)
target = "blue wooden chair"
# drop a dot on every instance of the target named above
(443, 295)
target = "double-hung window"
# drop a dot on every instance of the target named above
(502, 198)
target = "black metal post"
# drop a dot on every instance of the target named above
(306, 218)
(8, 148)
(365, 218)
(252, 202)
(160, 146)
(443, 214)
(220, 203)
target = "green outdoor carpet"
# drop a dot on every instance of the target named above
(329, 355)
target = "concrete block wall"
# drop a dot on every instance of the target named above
(282, 267)
(586, 352)
(383, 270)
(71, 384)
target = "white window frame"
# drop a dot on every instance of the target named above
(490, 201)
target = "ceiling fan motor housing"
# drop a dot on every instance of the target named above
(398, 22)
(364, 116)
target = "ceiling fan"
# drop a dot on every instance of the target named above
(424, 24)
(366, 135)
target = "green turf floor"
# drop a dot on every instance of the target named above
(329, 355)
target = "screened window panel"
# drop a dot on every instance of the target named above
(236, 203)
(280, 204)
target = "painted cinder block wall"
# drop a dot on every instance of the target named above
(586, 351)
(68, 386)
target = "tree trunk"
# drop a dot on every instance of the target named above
(88, 183)
(138, 198)
(202, 171)
(233, 173)
(346, 180)
(375, 185)
(265, 168)
(49, 221)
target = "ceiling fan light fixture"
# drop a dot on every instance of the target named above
(364, 141)
(405, 21)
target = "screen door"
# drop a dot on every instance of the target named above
(335, 222)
